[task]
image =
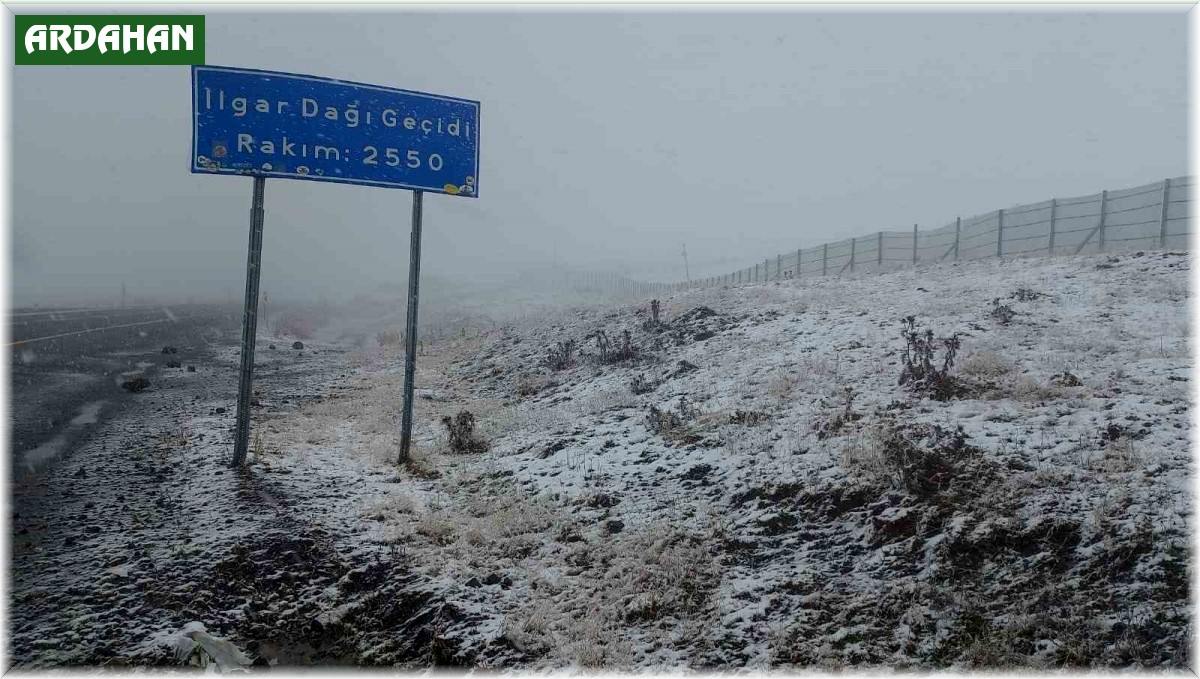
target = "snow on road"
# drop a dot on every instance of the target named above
(744, 483)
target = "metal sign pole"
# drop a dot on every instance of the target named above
(410, 336)
(249, 323)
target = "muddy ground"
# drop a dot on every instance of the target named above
(141, 527)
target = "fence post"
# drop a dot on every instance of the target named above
(914, 244)
(957, 235)
(824, 259)
(1053, 224)
(879, 251)
(1162, 217)
(1103, 207)
(853, 247)
(798, 253)
(778, 267)
(1000, 235)
(766, 269)
(755, 273)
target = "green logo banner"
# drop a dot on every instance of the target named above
(109, 40)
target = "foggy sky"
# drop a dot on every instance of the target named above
(608, 139)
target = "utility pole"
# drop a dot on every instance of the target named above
(687, 274)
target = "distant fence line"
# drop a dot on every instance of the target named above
(1149, 216)
(1154, 215)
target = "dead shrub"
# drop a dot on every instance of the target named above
(608, 352)
(748, 418)
(651, 324)
(666, 422)
(839, 420)
(640, 385)
(1001, 313)
(1024, 294)
(462, 433)
(420, 465)
(662, 421)
(923, 459)
(919, 373)
(529, 385)
(1066, 379)
(782, 385)
(560, 356)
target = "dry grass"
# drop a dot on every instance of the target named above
(986, 364)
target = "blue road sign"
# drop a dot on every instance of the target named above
(263, 123)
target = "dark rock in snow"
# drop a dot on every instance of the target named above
(698, 472)
(170, 350)
(297, 345)
(492, 579)
(136, 384)
(272, 347)
(191, 368)
(173, 364)
(220, 411)
(683, 368)
(614, 526)
(474, 582)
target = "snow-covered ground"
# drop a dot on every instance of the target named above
(771, 495)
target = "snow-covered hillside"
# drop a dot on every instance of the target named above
(745, 483)
(774, 496)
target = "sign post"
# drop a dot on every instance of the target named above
(262, 124)
(249, 323)
(410, 335)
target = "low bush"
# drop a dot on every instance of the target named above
(748, 418)
(608, 352)
(1001, 313)
(839, 420)
(920, 458)
(560, 356)
(1024, 294)
(653, 323)
(664, 422)
(462, 433)
(529, 385)
(640, 385)
(920, 372)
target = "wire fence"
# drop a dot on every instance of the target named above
(1150, 216)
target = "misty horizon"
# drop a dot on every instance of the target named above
(609, 141)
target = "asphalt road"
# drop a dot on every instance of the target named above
(67, 365)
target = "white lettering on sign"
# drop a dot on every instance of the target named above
(350, 115)
(130, 37)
